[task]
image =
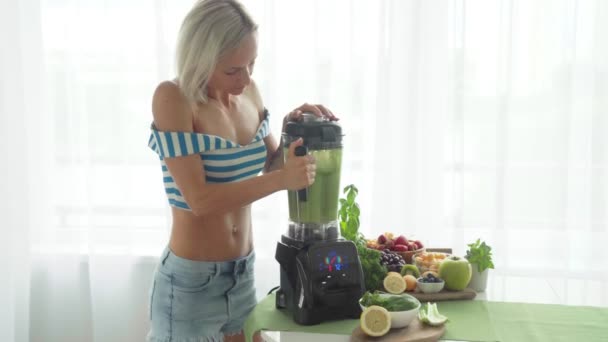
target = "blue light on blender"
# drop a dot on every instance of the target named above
(332, 262)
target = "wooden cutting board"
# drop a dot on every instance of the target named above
(444, 295)
(415, 332)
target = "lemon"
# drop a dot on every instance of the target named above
(375, 321)
(394, 283)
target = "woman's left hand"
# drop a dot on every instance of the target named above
(317, 109)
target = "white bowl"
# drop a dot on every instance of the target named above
(400, 319)
(429, 287)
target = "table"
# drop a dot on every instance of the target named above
(505, 296)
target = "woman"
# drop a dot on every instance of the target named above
(211, 132)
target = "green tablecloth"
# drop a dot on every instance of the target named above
(471, 320)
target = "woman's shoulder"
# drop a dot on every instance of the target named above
(170, 108)
(167, 90)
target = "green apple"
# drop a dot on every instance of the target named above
(456, 272)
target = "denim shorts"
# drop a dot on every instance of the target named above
(192, 301)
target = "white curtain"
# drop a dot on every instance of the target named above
(463, 119)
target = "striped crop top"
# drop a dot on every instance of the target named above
(223, 160)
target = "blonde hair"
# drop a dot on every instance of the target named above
(210, 29)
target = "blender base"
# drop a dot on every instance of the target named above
(320, 280)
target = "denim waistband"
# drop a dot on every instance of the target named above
(236, 266)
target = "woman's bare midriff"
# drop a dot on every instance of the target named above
(212, 238)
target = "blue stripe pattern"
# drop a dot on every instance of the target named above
(232, 168)
(223, 160)
(236, 154)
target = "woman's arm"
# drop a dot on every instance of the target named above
(275, 154)
(172, 113)
(205, 199)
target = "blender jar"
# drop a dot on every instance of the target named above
(313, 212)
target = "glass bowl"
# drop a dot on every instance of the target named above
(429, 261)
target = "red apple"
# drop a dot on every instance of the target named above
(401, 240)
(381, 239)
(419, 244)
(401, 248)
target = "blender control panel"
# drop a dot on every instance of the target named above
(333, 266)
(331, 262)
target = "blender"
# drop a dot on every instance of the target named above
(321, 276)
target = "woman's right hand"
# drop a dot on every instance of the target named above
(298, 172)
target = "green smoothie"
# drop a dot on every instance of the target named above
(321, 205)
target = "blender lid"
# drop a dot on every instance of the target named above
(318, 133)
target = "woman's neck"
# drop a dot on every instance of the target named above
(224, 99)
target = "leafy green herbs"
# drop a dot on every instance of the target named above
(349, 216)
(480, 254)
(373, 271)
(390, 303)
